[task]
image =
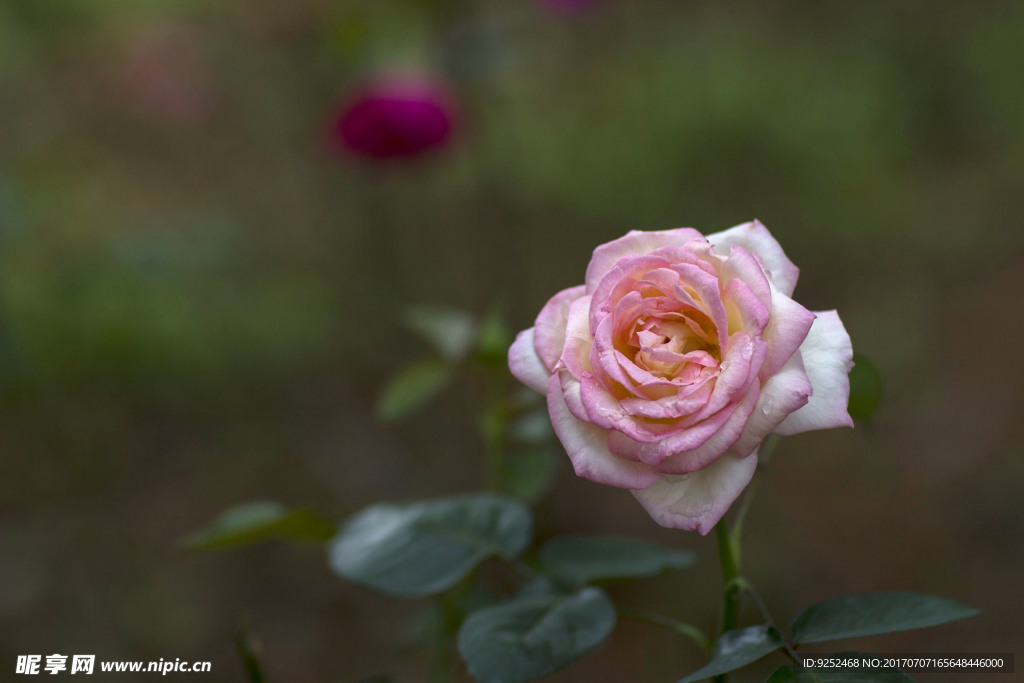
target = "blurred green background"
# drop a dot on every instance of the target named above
(200, 301)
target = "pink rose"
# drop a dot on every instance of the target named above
(396, 116)
(676, 358)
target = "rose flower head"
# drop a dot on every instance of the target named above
(396, 116)
(678, 355)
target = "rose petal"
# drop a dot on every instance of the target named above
(659, 454)
(756, 239)
(623, 279)
(549, 329)
(603, 408)
(576, 353)
(709, 296)
(744, 266)
(634, 242)
(828, 357)
(586, 445)
(603, 354)
(783, 393)
(745, 310)
(524, 363)
(723, 440)
(571, 394)
(742, 360)
(652, 443)
(644, 382)
(699, 499)
(787, 328)
(686, 402)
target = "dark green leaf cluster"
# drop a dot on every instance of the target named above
(431, 548)
(557, 614)
(418, 549)
(425, 548)
(848, 616)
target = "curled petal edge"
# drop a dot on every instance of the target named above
(696, 501)
(587, 447)
(828, 358)
(524, 363)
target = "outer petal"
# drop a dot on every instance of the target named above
(586, 445)
(699, 499)
(571, 394)
(783, 393)
(787, 328)
(745, 266)
(634, 242)
(549, 329)
(524, 363)
(745, 310)
(756, 239)
(828, 357)
(576, 353)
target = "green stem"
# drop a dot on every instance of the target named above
(763, 609)
(450, 604)
(741, 514)
(730, 543)
(764, 452)
(680, 627)
(729, 556)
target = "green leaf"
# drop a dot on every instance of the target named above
(451, 332)
(413, 549)
(798, 674)
(533, 637)
(529, 474)
(738, 648)
(866, 388)
(261, 521)
(868, 614)
(582, 559)
(412, 388)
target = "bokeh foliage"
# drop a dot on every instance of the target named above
(201, 303)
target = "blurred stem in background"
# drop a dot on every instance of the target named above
(248, 650)
(451, 608)
(492, 356)
(493, 425)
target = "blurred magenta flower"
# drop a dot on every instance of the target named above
(395, 117)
